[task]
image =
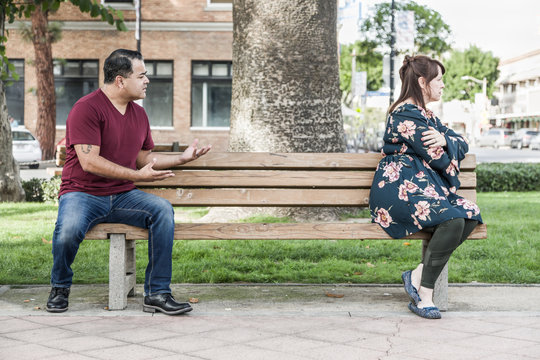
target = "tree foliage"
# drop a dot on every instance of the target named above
(471, 62)
(431, 32)
(10, 10)
(368, 59)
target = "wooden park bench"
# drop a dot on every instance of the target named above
(265, 180)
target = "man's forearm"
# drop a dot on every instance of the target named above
(103, 167)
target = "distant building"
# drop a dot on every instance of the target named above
(187, 46)
(519, 92)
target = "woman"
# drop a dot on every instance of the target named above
(415, 185)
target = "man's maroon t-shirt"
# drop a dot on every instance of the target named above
(94, 120)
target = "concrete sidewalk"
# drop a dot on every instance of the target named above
(274, 322)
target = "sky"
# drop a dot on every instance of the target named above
(507, 28)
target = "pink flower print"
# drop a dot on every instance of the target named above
(392, 170)
(469, 214)
(394, 140)
(383, 218)
(402, 193)
(426, 164)
(422, 210)
(420, 175)
(452, 168)
(453, 190)
(445, 191)
(410, 186)
(415, 222)
(381, 184)
(407, 129)
(435, 152)
(403, 149)
(468, 205)
(431, 192)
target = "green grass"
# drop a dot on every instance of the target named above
(509, 255)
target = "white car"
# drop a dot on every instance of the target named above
(535, 143)
(496, 137)
(26, 150)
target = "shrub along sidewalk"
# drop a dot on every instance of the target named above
(509, 255)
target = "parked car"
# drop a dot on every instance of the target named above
(535, 143)
(496, 137)
(26, 150)
(522, 138)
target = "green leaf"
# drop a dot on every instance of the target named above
(55, 6)
(96, 10)
(110, 18)
(121, 26)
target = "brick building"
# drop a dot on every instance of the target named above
(187, 46)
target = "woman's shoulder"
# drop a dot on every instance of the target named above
(412, 110)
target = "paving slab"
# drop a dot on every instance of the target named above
(292, 321)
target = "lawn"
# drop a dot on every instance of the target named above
(509, 255)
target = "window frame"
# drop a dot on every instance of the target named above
(218, 6)
(204, 80)
(59, 78)
(154, 77)
(19, 81)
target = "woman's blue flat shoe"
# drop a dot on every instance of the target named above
(427, 313)
(409, 288)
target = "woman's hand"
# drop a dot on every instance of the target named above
(433, 138)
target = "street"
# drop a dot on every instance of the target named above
(505, 155)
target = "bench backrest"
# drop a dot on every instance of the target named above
(294, 179)
(278, 179)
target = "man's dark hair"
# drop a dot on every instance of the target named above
(120, 63)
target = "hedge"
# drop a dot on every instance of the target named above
(508, 177)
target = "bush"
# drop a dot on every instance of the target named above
(33, 190)
(42, 190)
(508, 177)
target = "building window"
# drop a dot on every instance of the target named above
(73, 79)
(119, 4)
(211, 87)
(218, 5)
(159, 93)
(15, 92)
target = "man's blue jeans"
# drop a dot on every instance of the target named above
(78, 212)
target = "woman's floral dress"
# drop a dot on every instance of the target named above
(415, 186)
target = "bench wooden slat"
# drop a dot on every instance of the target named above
(314, 161)
(271, 197)
(265, 231)
(278, 178)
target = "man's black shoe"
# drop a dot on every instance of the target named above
(58, 300)
(166, 304)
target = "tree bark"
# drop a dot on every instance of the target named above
(285, 90)
(10, 181)
(46, 96)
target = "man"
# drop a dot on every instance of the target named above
(108, 147)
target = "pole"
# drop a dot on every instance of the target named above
(392, 53)
(138, 24)
(353, 75)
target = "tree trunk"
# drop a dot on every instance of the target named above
(10, 181)
(46, 97)
(285, 90)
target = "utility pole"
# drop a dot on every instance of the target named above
(138, 24)
(392, 53)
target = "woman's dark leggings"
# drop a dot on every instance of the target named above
(447, 236)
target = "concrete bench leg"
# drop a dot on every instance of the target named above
(440, 293)
(121, 271)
